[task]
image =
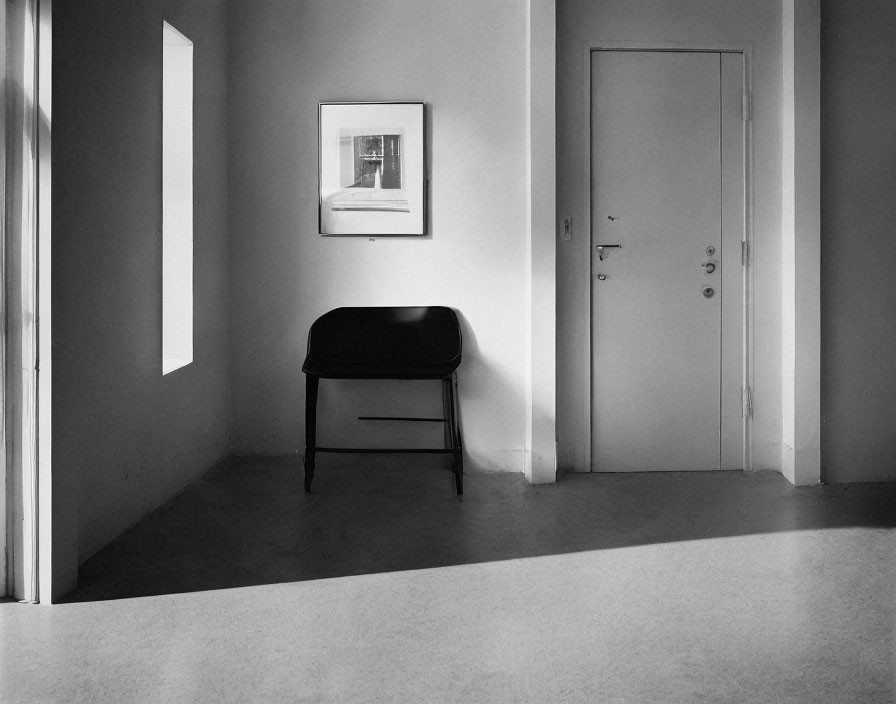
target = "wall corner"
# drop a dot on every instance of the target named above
(541, 453)
(801, 242)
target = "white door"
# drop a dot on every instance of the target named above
(667, 223)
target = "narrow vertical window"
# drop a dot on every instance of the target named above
(177, 199)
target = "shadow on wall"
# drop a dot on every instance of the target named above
(250, 523)
(480, 381)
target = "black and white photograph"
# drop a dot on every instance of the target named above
(448, 352)
(371, 169)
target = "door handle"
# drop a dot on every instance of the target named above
(601, 247)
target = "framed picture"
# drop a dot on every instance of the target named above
(371, 168)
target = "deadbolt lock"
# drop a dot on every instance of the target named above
(709, 292)
(710, 251)
(710, 267)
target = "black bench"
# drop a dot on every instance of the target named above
(386, 343)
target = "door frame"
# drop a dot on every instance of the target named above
(27, 346)
(5, 570)
(745, 50)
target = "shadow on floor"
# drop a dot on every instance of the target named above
(249, 522)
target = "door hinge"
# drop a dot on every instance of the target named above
(748, 402)
(744, 252)
(747, 103)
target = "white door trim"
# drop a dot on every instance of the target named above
(27, 304)
(50, 586)
(746, 51)
(5, 588)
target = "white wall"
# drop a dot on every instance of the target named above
(541, 248)
(858, 183)
(800, 244)
(581, 24)
(125, 438)
(467, 60)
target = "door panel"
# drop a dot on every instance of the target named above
(657, 192)
(732, 272)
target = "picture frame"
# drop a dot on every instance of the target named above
(371, 168)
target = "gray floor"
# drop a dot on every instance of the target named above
(383, 586)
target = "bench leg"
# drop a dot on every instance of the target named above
(311, 384)
(448, 416)
(452, 431)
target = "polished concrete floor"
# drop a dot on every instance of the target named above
(382, 586)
